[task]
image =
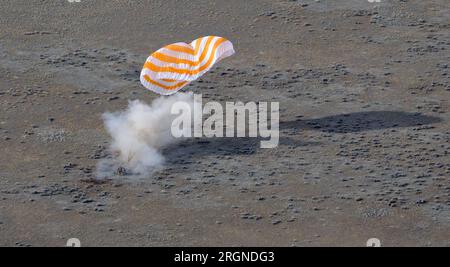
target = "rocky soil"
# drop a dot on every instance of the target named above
(365, 125)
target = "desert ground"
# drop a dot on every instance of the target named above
(364, 123)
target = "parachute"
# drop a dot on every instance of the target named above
(174, 66)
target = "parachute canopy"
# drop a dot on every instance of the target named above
(174, 66)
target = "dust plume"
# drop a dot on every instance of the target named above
(138, 135)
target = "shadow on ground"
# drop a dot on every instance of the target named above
(343, 123)
(362, 121)
(197, 148)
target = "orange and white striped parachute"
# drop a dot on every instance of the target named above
(174, 66)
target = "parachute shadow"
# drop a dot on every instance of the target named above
(362, 121)
(199, 147)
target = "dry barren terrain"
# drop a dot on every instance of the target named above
(365, 125)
